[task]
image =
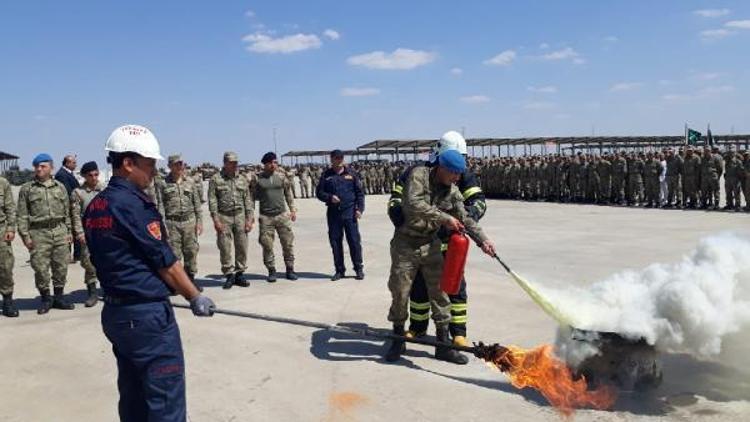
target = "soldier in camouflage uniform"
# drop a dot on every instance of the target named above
(273, 191)
(80, 198)
(180, 204)
(231, 211)
(712, 167)
(745, 178)
(732, 187)
(430, 201)
(635, 179)
(691, 179)
(619, 178)
(8, 231)
(604, 169)
(45, 228)
(675, 166)
(651, 171)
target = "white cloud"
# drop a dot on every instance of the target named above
(331, 34)
(716, 90)
(708, 92)
(399, 59)
(249, 14)
(744, 24)
(625, 86)
(475, 99)
(264, 43)
(503, 59)
(359, 92)
(566, 53)
(707, 76)
(714, 34)
(579, 60)
(711, 13)
(457, 71)
(539, 105)
(611, 38)
(549, 89)
(544, 46)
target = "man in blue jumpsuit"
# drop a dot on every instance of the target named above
(138, 271)
(339, 188)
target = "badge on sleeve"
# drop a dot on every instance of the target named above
(348, 177)
(154, 229)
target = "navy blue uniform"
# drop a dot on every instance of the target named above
(341, 217)
(128, 245)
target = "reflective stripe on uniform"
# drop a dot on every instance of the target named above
(419, 317)
(398, 188)
(481, 206)
(443, 247)
(420, 306)
(468, 193)
(394, 202)
(459, 307)
(459, 319)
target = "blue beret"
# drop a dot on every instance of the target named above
(41, 158)
(452, 160)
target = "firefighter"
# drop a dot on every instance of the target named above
(475, 206)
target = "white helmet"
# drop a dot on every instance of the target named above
(451, 140)
(134, 138)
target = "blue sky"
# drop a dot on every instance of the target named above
(213, 76)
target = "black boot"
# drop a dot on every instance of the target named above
(92, 298)
(359, 275)
(59, 301)
(445, 353)
(398, 347)
(191, 276)
(46, 304)
(271, 275)
(290, 274)
(9, 307)
(229, 281)
(337, 276)
(239, 279)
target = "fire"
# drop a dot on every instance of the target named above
(539, 369)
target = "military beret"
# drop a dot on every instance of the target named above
(268, 157)
(42, 158)
(89, 167)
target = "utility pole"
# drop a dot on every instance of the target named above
(275, 146)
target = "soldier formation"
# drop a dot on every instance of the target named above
(688, 178)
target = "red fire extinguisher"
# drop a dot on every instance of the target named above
(454, 262)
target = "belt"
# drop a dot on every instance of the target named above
(124, 300)
(232, 213)
(48, 224)
(180, 218)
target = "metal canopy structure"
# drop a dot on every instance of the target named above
(7, 161)
(396, 148)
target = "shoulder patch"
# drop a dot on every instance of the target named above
(154, 229)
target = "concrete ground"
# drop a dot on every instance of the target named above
(59, 367)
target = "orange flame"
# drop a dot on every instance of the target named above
(539, 369)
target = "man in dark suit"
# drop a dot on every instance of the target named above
(67, 177)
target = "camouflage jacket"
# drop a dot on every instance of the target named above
(179, 199)
(229, 195)
(42, 203)
(7, 208)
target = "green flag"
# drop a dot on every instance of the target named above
(693, 137)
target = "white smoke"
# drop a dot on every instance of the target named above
(685, 307)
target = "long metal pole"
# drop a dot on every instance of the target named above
(363, 332)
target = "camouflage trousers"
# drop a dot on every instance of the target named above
(268, 227)
(690, 191)
(618, 188)
(635, 189)
(674, 193)
(233, 236)
(732, 190)
(184, 242)
(605, 189)
(50, 255)
(305, 185)
(407, 259)
(710, 190)
(652, 190)
(6, 266)
(89, 272)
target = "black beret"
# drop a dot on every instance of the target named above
(89, 167)
(268, 157)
